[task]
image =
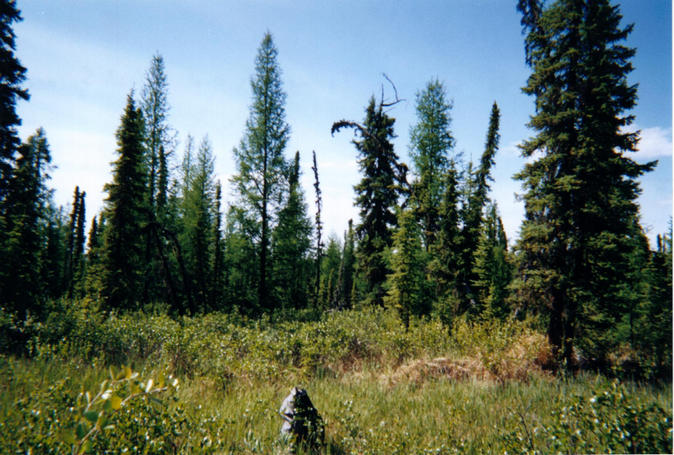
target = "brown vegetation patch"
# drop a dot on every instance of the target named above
(421, 370)
(529, 355)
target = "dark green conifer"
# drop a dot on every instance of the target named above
(126, 212)
(12, 74)
(384, 181)
(581, 188)
(25, 206)
(290, 246)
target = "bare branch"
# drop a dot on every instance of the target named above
(395, 92)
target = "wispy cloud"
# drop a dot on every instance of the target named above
(655, 142)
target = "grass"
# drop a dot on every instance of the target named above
(385, 393)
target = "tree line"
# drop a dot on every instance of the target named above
(429, 240)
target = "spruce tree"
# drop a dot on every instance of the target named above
(493, 270)
(259, 158)
(12, 74)
(330, 268)
(290, 246)
(197, 231)
(70, 242)
(155, 107)
(76, 287)
(52, 263)
(384, 181)
(581, 188)
(431, 140)
(25, 206)
(346, 270)
(218, 252)
(407, 280)
(126, 212)
(472, 215)
(445, 262)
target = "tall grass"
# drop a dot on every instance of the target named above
(478, 388)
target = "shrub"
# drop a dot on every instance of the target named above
(611, 420)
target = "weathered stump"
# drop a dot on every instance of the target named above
(302, 425)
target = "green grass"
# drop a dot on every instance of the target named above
(234, 375)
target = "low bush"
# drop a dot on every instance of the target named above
(611, 419)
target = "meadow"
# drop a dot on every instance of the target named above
(144, 383)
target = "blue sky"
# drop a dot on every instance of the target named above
(83, 58)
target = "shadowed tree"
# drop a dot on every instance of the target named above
(126, 214)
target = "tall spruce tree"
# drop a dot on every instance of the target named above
(76, 286)
(218, 252)
(406, 282)
(581, 188)
(445, 262)
(431, 140)
(384, 181)
(12, 74)
(472, 215)
(259, 158)
(26, 202)
(126, 212)
(155, 107)
(158, 143)
(197, 216)
(291, 244)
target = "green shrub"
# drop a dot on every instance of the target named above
(610, 420)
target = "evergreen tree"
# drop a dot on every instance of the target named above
(218, 252)
(197, 231)
(431, 140)
(378, 193)
(330, 268)
(472, 215)
(12, 74)
(445, 262)
(581, 187)
(70, 242)
(155, 107)
(406, 282)
(92, 281)
(259, 158)
(291, 243)
(25, 205)
(52, 263)
(126, 215)
(654, 324)
(346, 270)
(76, 286)
(240, 262)
(493, 270)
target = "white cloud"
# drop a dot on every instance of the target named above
(655, 142)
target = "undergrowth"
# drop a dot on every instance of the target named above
(476, 387)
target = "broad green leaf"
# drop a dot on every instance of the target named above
(91, 416)
(81, 430)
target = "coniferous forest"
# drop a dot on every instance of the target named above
(175, 322)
